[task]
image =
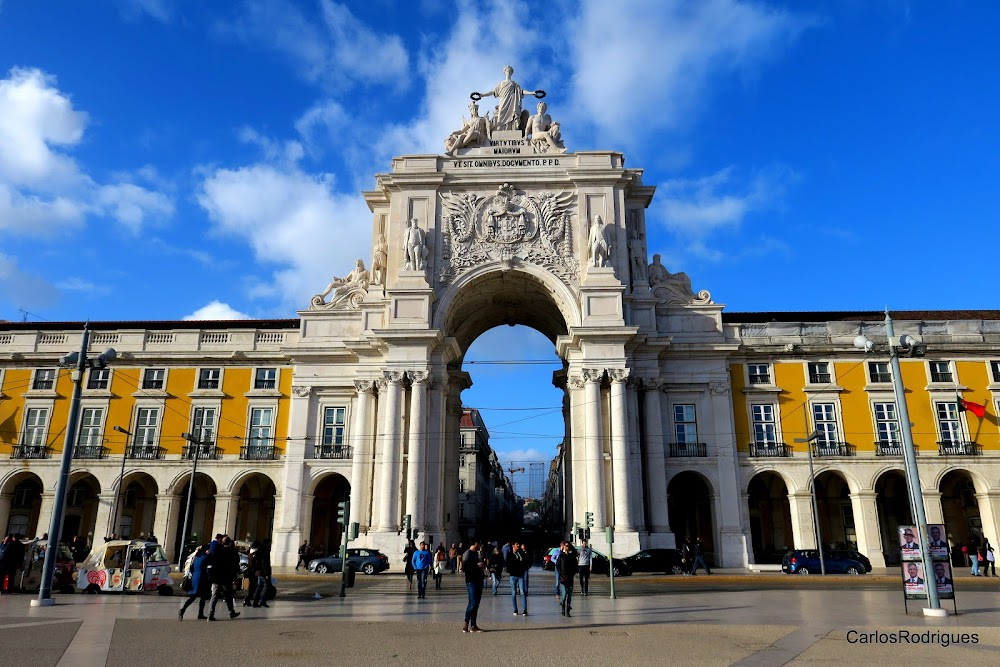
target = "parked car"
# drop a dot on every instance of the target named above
(369, 561)
(806, 561)
(850, 554)
(125, 566)
(656, 560)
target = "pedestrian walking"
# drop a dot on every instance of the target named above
(555, 560)
(408, 552)
(440, 563)
(585, 563)
(566, 568)
(422, 560)
(475, 573)
(699, 558)
(495, 564)
(200, 586)
(991, 561)
(965, 555)
(517, 569)
(303, 552)
(975, 557)
(461, 553)
(254, 573)
(453, 557)
(225, 568)
(687, 556)
(264, 578)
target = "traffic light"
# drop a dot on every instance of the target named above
(588, 524)
(355, 530)
(407, 523)
(344, 513)
(577, 531)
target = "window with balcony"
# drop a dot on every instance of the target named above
(203, 424)
(887, 428)
(685, 442)
(461, 461)
(98, 378)
(45, 378)
(461, 485)
(334, 432)
(144, 439)
(995, 371)
(825, 424)
(260, 443)
(878, 371)
(35, 422)
(765, 431)
(759, 373)
(948, 423)
(89, 444)
(209, 378)
(265, 378)
(819, 372)
(941, 371)
(154, 378)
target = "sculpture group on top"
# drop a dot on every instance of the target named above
(345, 293)
(509, 119)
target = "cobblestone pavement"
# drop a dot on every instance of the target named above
(713, 622)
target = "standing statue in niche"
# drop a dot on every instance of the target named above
(637, 257)
(474, 132)
(600, 243)
(380, 260)
(509, 96)
(351, 288)
(543, 132)
(414, 247)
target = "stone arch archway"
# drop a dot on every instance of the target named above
(836, 511)
(892, 502)
(82, 504)
(325, 532)
(22, 495)
(960, 508)
(199, 527)
(770, 517)
(135, 506)
(255, 508)
(691, 509)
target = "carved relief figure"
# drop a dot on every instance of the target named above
(349, 290)
(637, 257)
(659, 274)
(674, 287)
(414, 247)
(509, 96)
(380, 260)
(600, 243)
(475, 132)
(544, 134)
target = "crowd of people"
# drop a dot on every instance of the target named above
(212, 574)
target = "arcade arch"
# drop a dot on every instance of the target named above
(82, 503)
(325, 531)
(892, 502)
(202, 510)
(137, 511)
(960, 508)
(770, 517)
(255, 508)
(836, 511)
(690, 499)
(23, 492)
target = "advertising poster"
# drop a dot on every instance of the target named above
(914, 582)
(937, 541)
(908, 545)
(943, 582)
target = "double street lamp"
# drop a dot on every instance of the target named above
(812, 491)
(81, 363)
(197, 444)
(121, 483)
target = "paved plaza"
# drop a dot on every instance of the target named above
(721, 620)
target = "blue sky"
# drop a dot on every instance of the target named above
(164, 159)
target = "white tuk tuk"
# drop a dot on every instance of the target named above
(125, 566)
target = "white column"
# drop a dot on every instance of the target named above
(416, 466)
(595, 447)
(225, 515)
(619, 449)
(635, 482)
(656, 469)
(803, 531)
(391, 451)
(165, 523)
(733, 522)
(435, 448)
(932, 506)
(867, 527)
(361, 454)
(287, 533)
(105, 501)
(45, 513)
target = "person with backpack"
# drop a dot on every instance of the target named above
(566, 568)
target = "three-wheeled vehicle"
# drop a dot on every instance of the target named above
(125, 566)
(30, 576)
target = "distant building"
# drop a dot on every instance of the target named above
(487, 504)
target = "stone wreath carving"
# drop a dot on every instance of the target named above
(505, 227)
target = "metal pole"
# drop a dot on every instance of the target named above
(912, 476)
(55, 527)
(121, 480)
(187, 513)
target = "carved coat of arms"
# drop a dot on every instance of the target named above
(508, 226)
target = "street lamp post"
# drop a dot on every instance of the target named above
(121, 481)
(909, 455)
(80, 361)
(812, 492)
(187, 514)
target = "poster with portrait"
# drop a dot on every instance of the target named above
(909, 546)
(943, 581)
(914, 581)
(937, 541)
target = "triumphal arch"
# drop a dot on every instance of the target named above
(509, 226)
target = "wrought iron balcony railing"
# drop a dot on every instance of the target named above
(688, 449)
(90, 452)
(832, 448)
(888, 448)
(769, 450)
(30, 452)
(957, 448)
(145, 452)
(333, 452)
(208, 451)
(258, 450)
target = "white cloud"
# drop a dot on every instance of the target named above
(23, 289)
(133, 10)
(76, 284)
(336, 52)
(292, 219)
(216, 310)
(43, 190)
(645, 65)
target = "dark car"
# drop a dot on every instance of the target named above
(656, 560)
(369, 561)
(598, 565)
(806, 561)
(850, 554)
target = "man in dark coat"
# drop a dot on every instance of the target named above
(566, 567)
(225, 570)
